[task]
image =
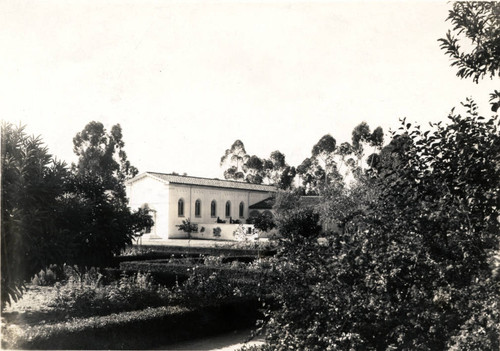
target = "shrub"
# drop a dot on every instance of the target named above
(213, 260)
(410, 269)
(188, 227)
(217, 232)
(263, 221)
(86, 294)
(48, 276)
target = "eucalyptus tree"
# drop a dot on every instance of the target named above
(324, 151)
(96, 206)
(234, 158)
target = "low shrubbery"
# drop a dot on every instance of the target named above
(144, 329)
(88, 295)
(48, 276)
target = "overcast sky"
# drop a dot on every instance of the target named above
(186, 79)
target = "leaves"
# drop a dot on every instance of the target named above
(479, 23)
(406, 264)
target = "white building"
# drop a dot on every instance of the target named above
(174, 198)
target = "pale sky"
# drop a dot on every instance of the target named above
(186, 79)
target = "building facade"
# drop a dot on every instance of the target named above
(173, 198)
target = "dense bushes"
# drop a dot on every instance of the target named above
(412, 266)
(54, 215)
(89, 295)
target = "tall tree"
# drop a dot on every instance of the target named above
(254, 167)
(312, 176)
(324, 151)
(101, 156)
(32, 182)
(363, 137)
(376, 140)
(234, 158)
(96, 211)
(275, 166)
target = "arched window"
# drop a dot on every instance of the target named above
(197, 208)
(180, 208)
(242, 209)
(228, 209)
(213, 209)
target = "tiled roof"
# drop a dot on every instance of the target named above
(266, 204)
(220, 183)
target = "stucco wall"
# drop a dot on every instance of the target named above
(155, 195)
(226, 231)
(191, 193)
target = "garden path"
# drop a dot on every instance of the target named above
(226, 342)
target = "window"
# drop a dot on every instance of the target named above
(228, 209)
(180, 208)
(242, 209)
(213, 209)
(197, 208)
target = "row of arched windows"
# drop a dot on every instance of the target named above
(213, 208)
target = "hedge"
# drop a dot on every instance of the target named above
(210, 251)
(176, 269)
(144, 329)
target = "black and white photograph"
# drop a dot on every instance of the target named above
(236, 175)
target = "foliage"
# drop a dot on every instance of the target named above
(479, 22)
(210, 289)
(87, 294)
(410, 268)
(32, 182)
(253, 169)
(235, 157)
(263, 221)
(217, 232)
(94, 211)
(324, 150)
(362, 137)
(101, 157)
(188, 227)
(80, 332)
(49, 276)
(292, 221)
(51, 215)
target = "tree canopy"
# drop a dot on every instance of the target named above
(54, 215)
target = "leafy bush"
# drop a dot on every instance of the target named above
(410, 268)
(49, 276)
(211, 289)
(188, 227)
(212, 260)
(86, 294)
(217, 232)
(134, 250)
(263, 221)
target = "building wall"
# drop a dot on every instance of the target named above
(191, 193)
(155, 194)
(162, 199)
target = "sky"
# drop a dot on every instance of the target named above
(185, 79)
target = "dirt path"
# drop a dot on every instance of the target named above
(225, 342)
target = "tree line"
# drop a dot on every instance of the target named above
(327, 164)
